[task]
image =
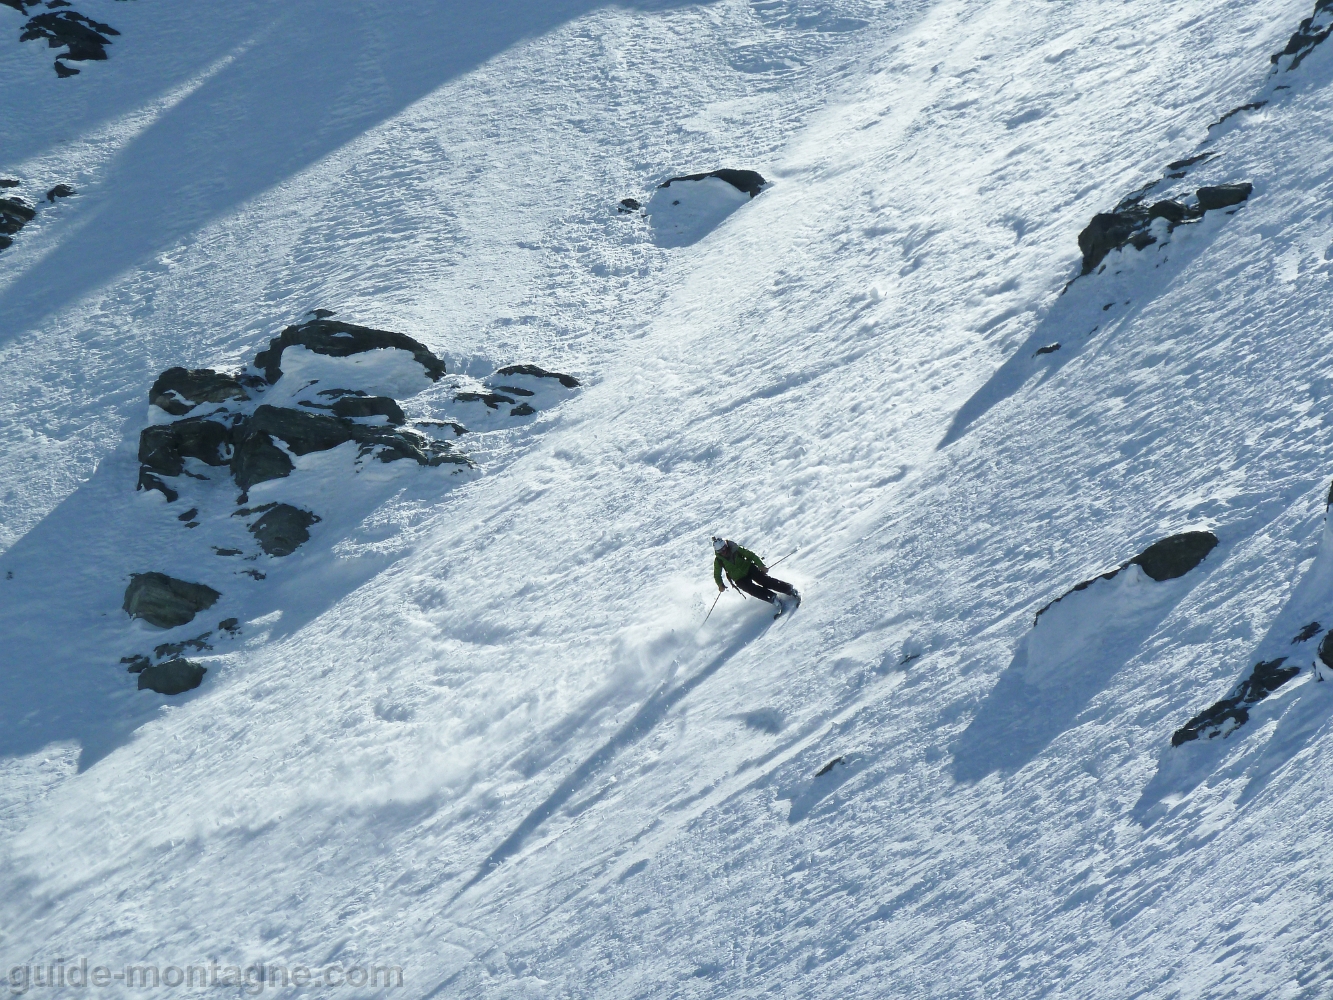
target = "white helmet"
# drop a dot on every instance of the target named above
(719, 544)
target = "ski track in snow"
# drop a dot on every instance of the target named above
(476, 729)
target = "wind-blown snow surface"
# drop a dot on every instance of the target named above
(492, 744)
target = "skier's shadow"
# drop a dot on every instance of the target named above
(652, 712)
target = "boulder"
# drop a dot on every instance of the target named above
(1167, 559)
(8, 182)
(748, 181)
(341, 340)
(1175, 556)
(163, 448)
(80, 36)
(568, 381)
(60, 191)
(179, 390)
(369, 406)
(283, 528)
(1232, 711)
(174, 676)
(148, 481)
(164, 601)
(1308, 35)
(257, 459)
(136, 663)
(491, 399)
(14, 215)
(1222, 196)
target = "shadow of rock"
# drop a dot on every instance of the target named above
(1075, 647)
(229, 140)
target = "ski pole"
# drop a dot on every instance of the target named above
(710, 610)
(786, 557)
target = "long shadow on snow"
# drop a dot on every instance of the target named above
(61, 617)
(316, 76)
(1093, 305)
(1069, 656)
(1302, 706)
(645, 719)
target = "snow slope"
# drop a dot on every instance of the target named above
(476, 730)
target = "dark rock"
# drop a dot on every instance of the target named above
(629, 205)
(1307, 36)
(164, 601)
(1223, 195)
(283, 529)
(1308, 633)
(522, 410)
(8, 182)
(226, 552)
(322, 313)
(21, 5)
(136, 662)
(1171, 211)
(515, 390)
(176, 648)
(1326, 650)
(179, 390)
(341, 340)
(255, 573)
(1106, 232)
(60, 191)
(369, 406)
(189, 514)
(148, 481)
(458, 429)
(742, 180)
(63, 71)
(1189, 161)
(256, 459)
(1175, 556)
(1266, 678)
(829, 767)
(6, 242)
(491, 399)
(163, 448)
(14, 215)
(172, 677)
(232, 625)
(1253, 106)
(568, 381)
(80, 36)
(1164, 560)
(1048, 349)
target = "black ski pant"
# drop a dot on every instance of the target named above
(759, 584)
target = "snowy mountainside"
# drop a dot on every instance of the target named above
(480, 731)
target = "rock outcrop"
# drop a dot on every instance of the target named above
(174, 676)
(283, 528)
(1313, 30)
(1129, 223)
(749, 181)
(1233, 710)
(80, 36)
(164, 601)
(180, 390)
(14, 215)
(1167, 559)
(568, 381)
(341, 340)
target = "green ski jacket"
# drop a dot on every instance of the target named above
(738, 564)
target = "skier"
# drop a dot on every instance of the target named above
(747, 573)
